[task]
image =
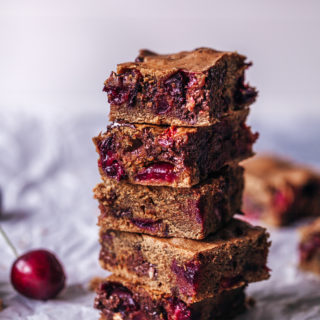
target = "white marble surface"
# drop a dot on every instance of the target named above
(47, 171)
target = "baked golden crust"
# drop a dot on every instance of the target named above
(162, 65)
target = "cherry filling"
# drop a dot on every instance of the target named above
(187, 276)
(115, 297)
(178, 310)
(160, 171)
(196, 209)
(172, 93)
(309, 247)
(108, 161)
(167, 138)
(123, 88)
(162, 106)
(282, 200)
(175, 86)
(147, 224)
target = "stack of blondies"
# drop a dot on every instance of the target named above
(171, 184)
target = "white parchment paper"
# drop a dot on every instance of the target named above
(47, 172)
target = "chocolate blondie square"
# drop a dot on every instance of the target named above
(190, 88)
(171, 212)
(117, 298)
(309, 247)
(172, 156)
(279, 191)
(192, 270)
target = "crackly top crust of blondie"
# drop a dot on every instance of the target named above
(307, 231)
(236, 231)
(161, 65)
(277, 171)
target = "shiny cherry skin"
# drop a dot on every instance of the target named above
(38, 274)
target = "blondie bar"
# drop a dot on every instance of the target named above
(279, 191)
(172, 156)
(309, 247)
(117, 298)
(190, 269)
(171, 212)
(195, 88)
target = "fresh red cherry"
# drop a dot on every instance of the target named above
(38, 274)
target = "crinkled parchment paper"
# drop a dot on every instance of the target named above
(47, 172)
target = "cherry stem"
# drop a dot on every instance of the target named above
(15, 252)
